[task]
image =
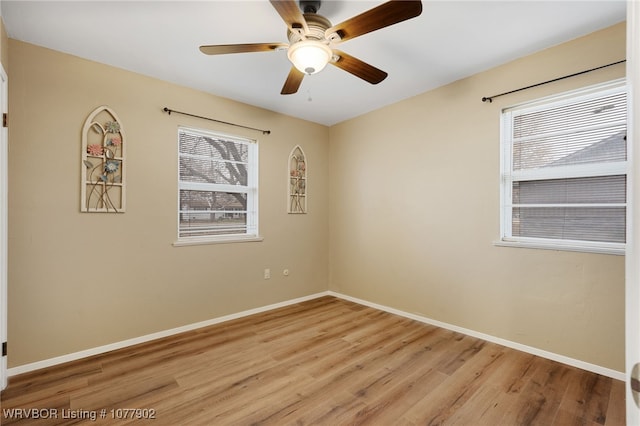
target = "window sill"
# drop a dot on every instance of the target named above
(217, 240)
(577, 246)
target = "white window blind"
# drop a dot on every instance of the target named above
(217, 186)
(564, 171)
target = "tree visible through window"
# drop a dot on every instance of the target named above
(217, 185)
(564, 171)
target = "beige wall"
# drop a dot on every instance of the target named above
(409, 195)
(79, 281)
(415, 211)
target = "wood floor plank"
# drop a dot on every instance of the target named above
(616, 410)
(537, 402)
(436, 407)
(584, 397)
(391, 401)
(487, 406)
(357, 351)
(325, 361)
(45, 378)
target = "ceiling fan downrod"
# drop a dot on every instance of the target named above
(310, 6)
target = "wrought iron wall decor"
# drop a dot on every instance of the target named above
(297, 202)
(103, 184)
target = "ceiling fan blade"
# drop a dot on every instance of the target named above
(290, 13)
(222, 49)
(389, 13)
(358, 68)
(294, 79)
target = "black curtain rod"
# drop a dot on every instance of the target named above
(490, 98)
(169, 111)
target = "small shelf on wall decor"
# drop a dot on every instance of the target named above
(298, 184)
(102, 173)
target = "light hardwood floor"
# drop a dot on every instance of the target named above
(326, 361)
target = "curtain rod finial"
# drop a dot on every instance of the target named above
(485, 99)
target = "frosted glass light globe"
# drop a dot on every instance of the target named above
(309, 56)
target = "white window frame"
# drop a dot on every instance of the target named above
(508, 175)
(251, 189)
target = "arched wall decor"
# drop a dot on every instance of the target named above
(298, 184)
(103, 184)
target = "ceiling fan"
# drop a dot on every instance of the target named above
(312, 38)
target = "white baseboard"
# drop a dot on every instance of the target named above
(166, 333)
(149, 337)
(619, 375)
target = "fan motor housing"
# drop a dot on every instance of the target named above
(317, 24)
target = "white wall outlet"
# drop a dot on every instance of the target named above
(285, 272)
(267, 274)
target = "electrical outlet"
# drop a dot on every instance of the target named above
(267, 274)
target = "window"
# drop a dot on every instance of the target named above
(218, 188)
(564, 172)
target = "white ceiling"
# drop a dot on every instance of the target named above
(448, 41)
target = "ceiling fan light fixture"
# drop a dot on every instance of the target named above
(309, 56)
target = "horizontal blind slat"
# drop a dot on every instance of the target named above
(601, 189)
